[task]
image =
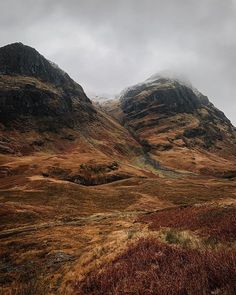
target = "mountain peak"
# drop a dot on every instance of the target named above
(171, 118)
(15, 45)
(169, 75)
(32, 86)
(20, 59)
(16, 48)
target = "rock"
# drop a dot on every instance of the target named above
(169, 106)
(35, 93)
(173, 121)
(38, 142)
(6, 150)
(195, 132)
(55, 260)
(69, 137)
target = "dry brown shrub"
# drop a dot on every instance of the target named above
(150, 267)
(218, 223)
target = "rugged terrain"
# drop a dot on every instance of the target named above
(172, 120)
(102, 199)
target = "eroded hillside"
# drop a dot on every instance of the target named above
(178, 126)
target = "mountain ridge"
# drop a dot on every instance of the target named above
(165, 118)
(43, 109)
(171, 119)
(32, 87)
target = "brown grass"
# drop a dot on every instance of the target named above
(218, 223)
(149, 267)
(30, 199)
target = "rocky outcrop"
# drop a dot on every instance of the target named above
(43, 110)
(169, 107)
(177, 125)
(33, 89)
(22, 60)
(89, 174)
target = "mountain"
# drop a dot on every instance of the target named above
(91, 192)
(33, 88)
(178, 125)
(164, 119)
(43, 111)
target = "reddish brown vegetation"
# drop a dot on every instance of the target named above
(89, 174)
(150, 267)
(217, 222)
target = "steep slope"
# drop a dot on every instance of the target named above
(44, 112)
(32, 88)
(178, 125)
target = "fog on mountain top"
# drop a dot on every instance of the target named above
(109, 45)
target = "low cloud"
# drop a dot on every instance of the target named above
(107, 45)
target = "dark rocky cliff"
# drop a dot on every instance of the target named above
(175, 108)
(31, 87)
(177, 126)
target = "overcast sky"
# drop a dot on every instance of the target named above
(107, 45)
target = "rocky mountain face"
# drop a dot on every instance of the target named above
(32, 88)
(177, 124)
(43, 109)
(166, 122)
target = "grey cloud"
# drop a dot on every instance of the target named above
(107, 45)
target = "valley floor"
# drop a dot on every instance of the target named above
(59, 237)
